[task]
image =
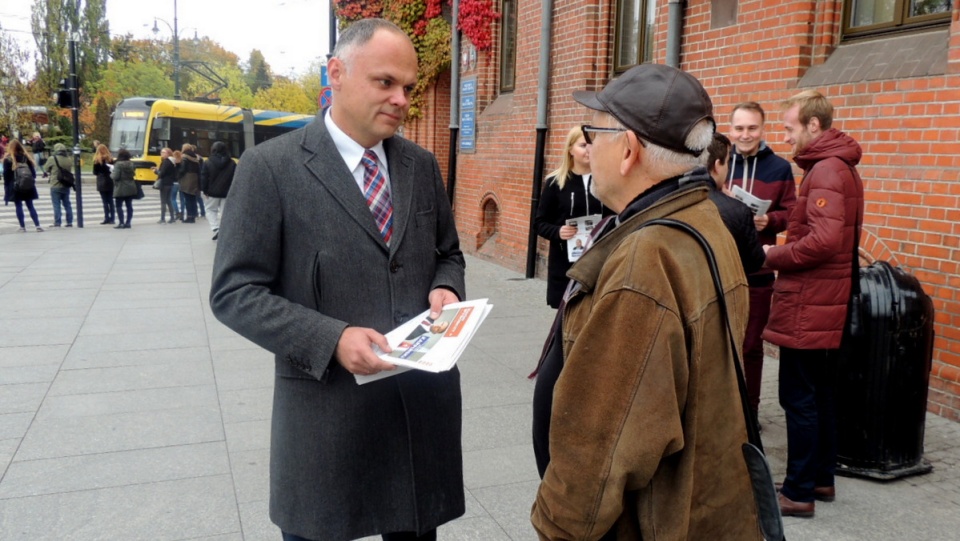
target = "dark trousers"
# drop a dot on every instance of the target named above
(543, 401)
(190, 204)
(808, 388)
(109, 208)
(129, 203)
(165, 203)
(398, 536)
(753, 343)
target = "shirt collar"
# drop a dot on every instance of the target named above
(350, 150)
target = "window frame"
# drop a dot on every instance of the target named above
(902, 21)
(643, 55)
(508, 64)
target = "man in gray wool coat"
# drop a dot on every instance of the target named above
(338, 233)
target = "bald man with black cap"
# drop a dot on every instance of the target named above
(637, 416)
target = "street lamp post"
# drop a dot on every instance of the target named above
(176, 49)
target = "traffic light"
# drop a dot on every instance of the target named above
(64, 96)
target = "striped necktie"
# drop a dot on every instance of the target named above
(377, 193)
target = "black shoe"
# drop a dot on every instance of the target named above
(190, 221)
(54, 225)
(69, 225)
(172, 220)
(126, 226)
(105, 222)
(120, 226)
(216, 234)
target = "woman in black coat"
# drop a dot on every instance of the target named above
(167, 175)
(102, 164)
(16, 154)
(567, 195)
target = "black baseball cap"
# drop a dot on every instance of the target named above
(660, 103)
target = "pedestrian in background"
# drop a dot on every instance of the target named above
(811, 296)
(38, 147)
(167, 175)
(102, 164)
(216, 177)
(15, 155)
(756, 169)
(566, 195)
(176, 198)
(188, 174)
(646, 428)
(124, 187)
(347, 460)
(59, 192)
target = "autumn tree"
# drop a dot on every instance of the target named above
(52, 22)
(258, 72)
(127, 79)
(285, 95)
(101, 121)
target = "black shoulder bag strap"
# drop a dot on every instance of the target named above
(855, 324)
(764, 491)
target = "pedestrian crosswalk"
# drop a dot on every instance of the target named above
(145, 211)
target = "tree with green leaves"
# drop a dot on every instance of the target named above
(52, 22)
(127, 79)
(101, 121)
(258, 72)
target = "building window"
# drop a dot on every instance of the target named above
(634, 36)
(866, 17)
(508, 45)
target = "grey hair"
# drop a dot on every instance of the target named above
(700, 137)
(358, 34)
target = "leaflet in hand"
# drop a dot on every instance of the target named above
(433, 345)
(577, 243)
(757, 205)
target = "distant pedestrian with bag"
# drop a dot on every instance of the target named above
(102, 163)
(167, 175)
(60, 171)
(20, 182)
(124, 187)
(216, 176)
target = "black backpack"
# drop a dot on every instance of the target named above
(64, 176)
(23, 178)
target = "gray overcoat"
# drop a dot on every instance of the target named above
(299, 258)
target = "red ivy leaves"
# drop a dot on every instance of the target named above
(474, 21)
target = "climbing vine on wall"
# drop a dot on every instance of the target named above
(474, 21)
(423, 21)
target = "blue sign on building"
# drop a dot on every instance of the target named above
(468, 114)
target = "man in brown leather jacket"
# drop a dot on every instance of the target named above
(646, 423)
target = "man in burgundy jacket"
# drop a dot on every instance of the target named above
(755, 168)
(811, 294)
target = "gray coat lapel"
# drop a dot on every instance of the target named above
(323, 160)
(401, 187)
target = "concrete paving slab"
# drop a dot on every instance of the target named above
(499, 466)
(251, 474)
(246, 404)
(30, 356)
(22, 397)
(238, 374)
(42, 373)
(7, 448)
(181, 509)
(139, 401)
(144, 341)
(104, 470)
(255, 521)
(81, 360)
(247, 435)
(496, 426)
(14, 425)
(70, 436)
(510, 504)
(126, 378)
(42, 332)
(472, 529)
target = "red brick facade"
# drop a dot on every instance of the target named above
(908, 125)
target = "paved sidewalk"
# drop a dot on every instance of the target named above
(128, 412)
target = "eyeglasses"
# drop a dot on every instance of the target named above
(587, 130)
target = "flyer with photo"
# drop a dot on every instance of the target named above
(578, 242)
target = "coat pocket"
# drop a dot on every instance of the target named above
(785, 306)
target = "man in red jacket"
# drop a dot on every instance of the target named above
(811, 294)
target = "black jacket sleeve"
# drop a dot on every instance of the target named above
(547, 220)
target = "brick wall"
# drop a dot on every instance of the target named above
(908, 126)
